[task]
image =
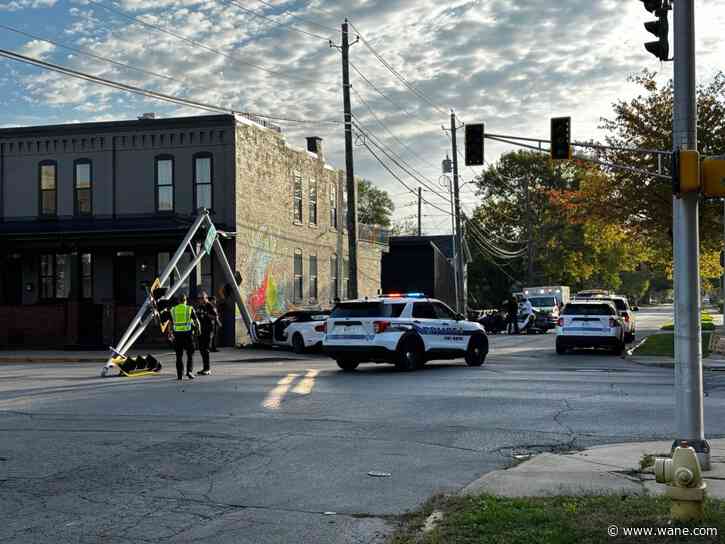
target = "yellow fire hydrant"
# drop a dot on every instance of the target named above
(685, 485)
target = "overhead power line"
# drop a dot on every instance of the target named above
(146, 92)
(286, 26)
(303, 19)
(197, 43)
(390, 171)
(89, 54)
(417, 92)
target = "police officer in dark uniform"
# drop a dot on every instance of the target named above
(184, 322)
(208, 320)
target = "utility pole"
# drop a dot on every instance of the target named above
(460, 280)
(420, 207)
(351, 186)
(688, 350)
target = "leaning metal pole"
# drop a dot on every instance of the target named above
(689, 414)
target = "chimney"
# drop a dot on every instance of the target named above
(314, 145)
(147, 116)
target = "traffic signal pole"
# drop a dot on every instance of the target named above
(689, 416)
(460, 280)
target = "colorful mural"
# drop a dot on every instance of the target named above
(266, 293)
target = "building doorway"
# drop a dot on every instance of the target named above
(124, 277)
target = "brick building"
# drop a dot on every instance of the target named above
(88, 212)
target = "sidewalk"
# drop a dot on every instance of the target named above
(224, 355)
(602, 470)
(715, 361)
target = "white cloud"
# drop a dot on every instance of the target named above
(37, 49)
(18, 5)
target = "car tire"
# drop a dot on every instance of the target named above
(298, 343)
(411, 354)
(619, 348)
(560, 348)
(347, 365)
(477, 350)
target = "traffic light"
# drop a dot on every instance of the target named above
(474, 145)
(713, 177)
(685, 171)
(660, 28)
(561, 138)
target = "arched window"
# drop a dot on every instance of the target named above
(203, 181)
(48, 188)
(164, 176)
(83, 187)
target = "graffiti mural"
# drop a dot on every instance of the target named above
(266, 293)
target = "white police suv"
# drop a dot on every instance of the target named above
(590, 323)
(406, 330)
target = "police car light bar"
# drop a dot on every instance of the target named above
(404, 295)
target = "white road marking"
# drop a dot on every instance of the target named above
(275, 396)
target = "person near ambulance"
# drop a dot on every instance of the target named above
(184, 323)
(526, 311)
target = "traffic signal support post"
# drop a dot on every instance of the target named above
(689, 412)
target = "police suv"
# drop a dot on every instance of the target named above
(590, 323)
(406, 330)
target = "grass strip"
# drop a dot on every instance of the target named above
(553, 520)
(663, 345)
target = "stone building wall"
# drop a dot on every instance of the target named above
(268, 234)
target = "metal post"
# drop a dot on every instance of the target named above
(349, 170)
(529, 236)
(461, 301)
(420, 206)
(688, 350)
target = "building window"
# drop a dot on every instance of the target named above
(48, 174)
(299, 277)
(203, 173)
(313, 278)
(86, 275)
(55, 276)
(297, 198)
(313, 202)
(83, 184)
(334, 292)
(333, 206)
(164, 183)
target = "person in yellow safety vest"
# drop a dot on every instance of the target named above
(184, 324)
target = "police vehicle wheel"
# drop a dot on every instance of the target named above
(561, 350)
(410, 355)
(476, 352)
(347, 365)
(298, 343)
(619, 348)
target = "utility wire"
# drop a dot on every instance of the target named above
(196, 43)
(398, 75)
(308, 21)
(394, 158)
(146, 92)
(87, 53)
(385, 127)
(275, 22)
(410, 189)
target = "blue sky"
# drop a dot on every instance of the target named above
(512, 64)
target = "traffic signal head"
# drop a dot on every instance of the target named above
(685, 171)
(474, 145)
(561, 138)
(660, 28)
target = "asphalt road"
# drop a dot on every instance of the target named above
(281, 452)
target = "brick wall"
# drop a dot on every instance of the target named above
(268, 235)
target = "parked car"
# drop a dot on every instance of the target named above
(591, 323)
(406, 330)
(298, 329)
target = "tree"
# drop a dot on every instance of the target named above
(374, 205)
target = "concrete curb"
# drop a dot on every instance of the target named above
(660, 362)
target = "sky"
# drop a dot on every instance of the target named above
(511, 64)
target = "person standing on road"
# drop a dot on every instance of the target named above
(512, 308)
(184, 321)
(208, 319)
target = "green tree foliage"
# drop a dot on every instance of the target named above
(375, 207)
